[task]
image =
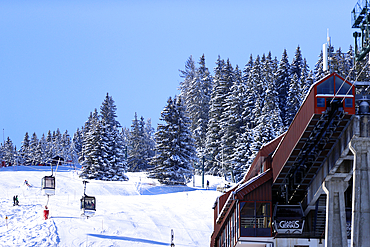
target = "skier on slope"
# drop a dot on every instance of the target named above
(15, 200)
(26, 182)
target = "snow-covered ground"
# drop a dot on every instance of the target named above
(138, 212)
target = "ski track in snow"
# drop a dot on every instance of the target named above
(138, 212)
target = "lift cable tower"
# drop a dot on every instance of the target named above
(361, 20)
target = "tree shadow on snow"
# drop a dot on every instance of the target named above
(146, 241)
(156, 190)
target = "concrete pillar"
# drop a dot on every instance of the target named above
(360, 234)
(335, 228)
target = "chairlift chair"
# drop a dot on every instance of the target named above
(48, 185)
(88, 203)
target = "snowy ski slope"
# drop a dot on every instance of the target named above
(138, 212)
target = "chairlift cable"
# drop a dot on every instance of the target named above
(355, 80)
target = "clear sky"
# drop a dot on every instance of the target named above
(58, 59)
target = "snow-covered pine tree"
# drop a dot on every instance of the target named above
(242, 154)
(233, 125)
(220, 90)
(348, 69)
(91, 148)
(319, 71)
(65, 144)
(9, 152)
(102, 149)
(259, 88)
(271, 101)
(189, 75)
(33, 148)
(112, 160)
(197, 104)
(50, 150)
(137, 146)
(149, 140)
(306, 80)
(282, 82)
(296, 65)
(57, 143)
(293, 100)
(268, 120)
(39, 154)
(76, 145)
(175, 150)
(23, 152)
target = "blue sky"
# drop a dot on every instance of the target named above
(58, 59)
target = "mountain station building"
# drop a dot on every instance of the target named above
(311, 185)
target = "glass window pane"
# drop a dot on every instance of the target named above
(342, 88)
(320, 102)
(247, 208)
(348, 102)
(289, 212)
(262, 209)
(326, 87)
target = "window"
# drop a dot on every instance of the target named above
(348, 102)
(341, 87)
(326, 87)
(255, 219)
(320, 102)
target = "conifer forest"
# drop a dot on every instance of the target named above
(217, 123)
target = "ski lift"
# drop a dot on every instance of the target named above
(88, 203)
(48, 185)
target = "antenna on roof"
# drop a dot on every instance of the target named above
(325, 51)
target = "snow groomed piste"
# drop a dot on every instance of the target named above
(138, 212)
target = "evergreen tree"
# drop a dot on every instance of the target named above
(102, 149)
(232, 121)
(137, 150)
(76, 145)
(220, 90)
(296, 65)
(33, 148)
(91, 152)
(149, 142)
(293, 100)
(189, 75)
(24, 154)
(258, 83)
(175, 150)
(9, 152)
(282, 82)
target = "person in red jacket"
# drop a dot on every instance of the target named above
(46, 213)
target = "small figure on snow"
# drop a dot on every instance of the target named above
(15, 200)
(26, 182)
(46, 213)
(207, 185)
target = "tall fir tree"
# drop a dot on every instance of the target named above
(219, 93)
(282, 82)
(175, 152)
(24, 153)
(137, 151)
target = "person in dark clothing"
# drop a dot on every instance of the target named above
(207, 184)
(15, 200)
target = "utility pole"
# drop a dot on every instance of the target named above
(172, 237)
(203, 158)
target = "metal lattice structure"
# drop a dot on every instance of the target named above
(361, 20)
